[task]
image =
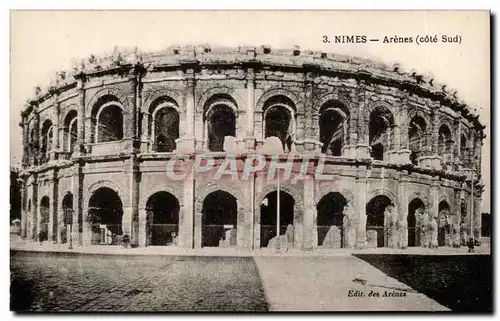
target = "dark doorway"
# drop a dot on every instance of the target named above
(268, 215)
(375, 211)
(105, 216)
(444, 228)
(330, 213)
(44, 217)
(67, 207)
(219, 220)
(415, 209)
(162, 219)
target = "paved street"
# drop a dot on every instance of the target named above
(45, 282)
(323, 284)
(89, 282)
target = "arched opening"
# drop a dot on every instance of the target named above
(165, 125)
(330, 220)
(268, 217)
(219, 220)
(70, 131)
(333, 128)
(46, 141)
(221, 122)
(105, 214)
(219, 119)
(444, 226)
(44, 218)
(380, 126)
(416, 136)
(279, 121)
(108, 119)
(416, 209)
(376, 233)
(445, 144)
(162, 219)
(67, 207)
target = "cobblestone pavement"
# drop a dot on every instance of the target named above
(47, 282)
(327, 284)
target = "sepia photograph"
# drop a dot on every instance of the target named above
(250, 161)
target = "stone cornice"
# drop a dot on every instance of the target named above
(124, 61)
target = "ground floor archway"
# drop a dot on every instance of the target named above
(415, 210)
(105, 213)
(162, 218)
(67, 217)
(330, 220)
(219, 220)
(268, 217)
(376, 234)
(444, 228)
(44, 218)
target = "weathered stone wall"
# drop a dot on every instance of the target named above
(188, 79)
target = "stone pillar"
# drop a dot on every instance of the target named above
(36, 154)
(363, 146)
(130, 122)
(187, 143)
(145, 140)
(130, 200)
(186, 219)
(360, 200)
(87, 233)
(249, 212)
(309, 209)
(55, 130)
(34, 209)
(394, 147)
(81, 139)
(456, 151)
(26, 150)
(434, 211)
(50, 229)
(250, 135)
(477, 218)
(54, 198)
(76, 188)
(143, 227)
(403, 211)
(352, 135)
(404, 144)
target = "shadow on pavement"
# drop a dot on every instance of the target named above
(21, 295)
(460, 282)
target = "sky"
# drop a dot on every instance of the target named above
(44, 42)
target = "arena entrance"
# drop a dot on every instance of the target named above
(375, 228)
(44, 218)
(67, 207)
(330, 221)
(268, 217)
(416, 209)
(444, 228)
(219, 220)
(162, 218)
(105, 217)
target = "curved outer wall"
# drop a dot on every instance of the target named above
(192, 79)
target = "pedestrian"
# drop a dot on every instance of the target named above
(41, 237)
(470, 244)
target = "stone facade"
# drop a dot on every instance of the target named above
(387, 138)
